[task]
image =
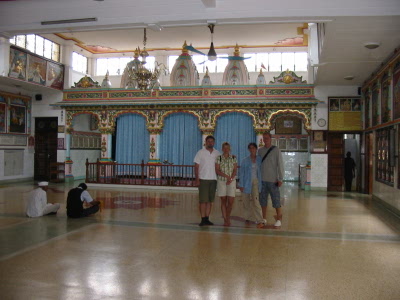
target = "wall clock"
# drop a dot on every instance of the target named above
(321, 122)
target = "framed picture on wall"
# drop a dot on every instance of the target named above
(396, 94)
(288, 125)
(292, 144)
(37, 68)
(318, 141)
(3, 120)
(55, 75)
(17, 119)
(303, 144)
(18, 63)
(282, 143)
(60, 144)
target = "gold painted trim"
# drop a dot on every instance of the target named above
(81, 44)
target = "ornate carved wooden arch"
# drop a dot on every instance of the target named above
(289, 112)
(73, 113)
(126, 112)
(170, 112)
(222, 112)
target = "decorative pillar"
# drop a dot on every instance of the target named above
(68, 162)
(259, 137)
(154, 170)
(106, 142)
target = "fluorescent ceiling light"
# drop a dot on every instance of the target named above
(69, 21)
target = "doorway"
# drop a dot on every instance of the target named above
(339, 144)
(335, 161)
(45, 147)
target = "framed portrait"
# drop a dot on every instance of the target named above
(17, 119)
(18, 63)
(318, 141)
(303, 144)
(396, 94)
(334, 105)
(274, 142)
(3, 116)
(375, 106)
(37, 68)
(288, 125)
(345, 104)
(60, 144)
(55, 76)
(282, 143)
(355, 104)
(292, 144)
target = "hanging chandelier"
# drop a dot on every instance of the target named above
(144, 78)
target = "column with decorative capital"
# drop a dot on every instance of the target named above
(154, 171)
(106, 144)
(68, 162)
(259, 137)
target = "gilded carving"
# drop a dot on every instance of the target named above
(303, 114)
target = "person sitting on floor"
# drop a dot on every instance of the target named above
(76, 197)
(37, 202)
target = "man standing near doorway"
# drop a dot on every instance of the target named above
(272, 177)
(349, 171)
(206, 178)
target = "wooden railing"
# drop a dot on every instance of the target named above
(140, 174)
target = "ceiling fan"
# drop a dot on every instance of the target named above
(212, 55)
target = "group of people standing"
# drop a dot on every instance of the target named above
(261, 175)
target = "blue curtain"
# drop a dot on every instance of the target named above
(236, 129)
(133, 139)
(180, 139)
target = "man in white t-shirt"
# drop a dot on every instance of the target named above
(206, 178)
(37, 202)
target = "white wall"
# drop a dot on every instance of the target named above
(319, 162)
(27, 153)
(79, 156)
(319, 171)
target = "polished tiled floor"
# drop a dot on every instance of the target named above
(145, 244)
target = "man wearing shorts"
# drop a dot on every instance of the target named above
(206, 179)
(272, 176)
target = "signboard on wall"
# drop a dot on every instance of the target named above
(345, 113)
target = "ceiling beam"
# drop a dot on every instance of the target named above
(210, 3)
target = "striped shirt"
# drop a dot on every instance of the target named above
(226, 165)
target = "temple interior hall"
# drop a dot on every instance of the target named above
(104, 109)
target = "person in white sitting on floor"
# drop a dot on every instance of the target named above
(37, 202)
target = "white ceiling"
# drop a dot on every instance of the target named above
(349, 24)
(199, 36)
(344, 52)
